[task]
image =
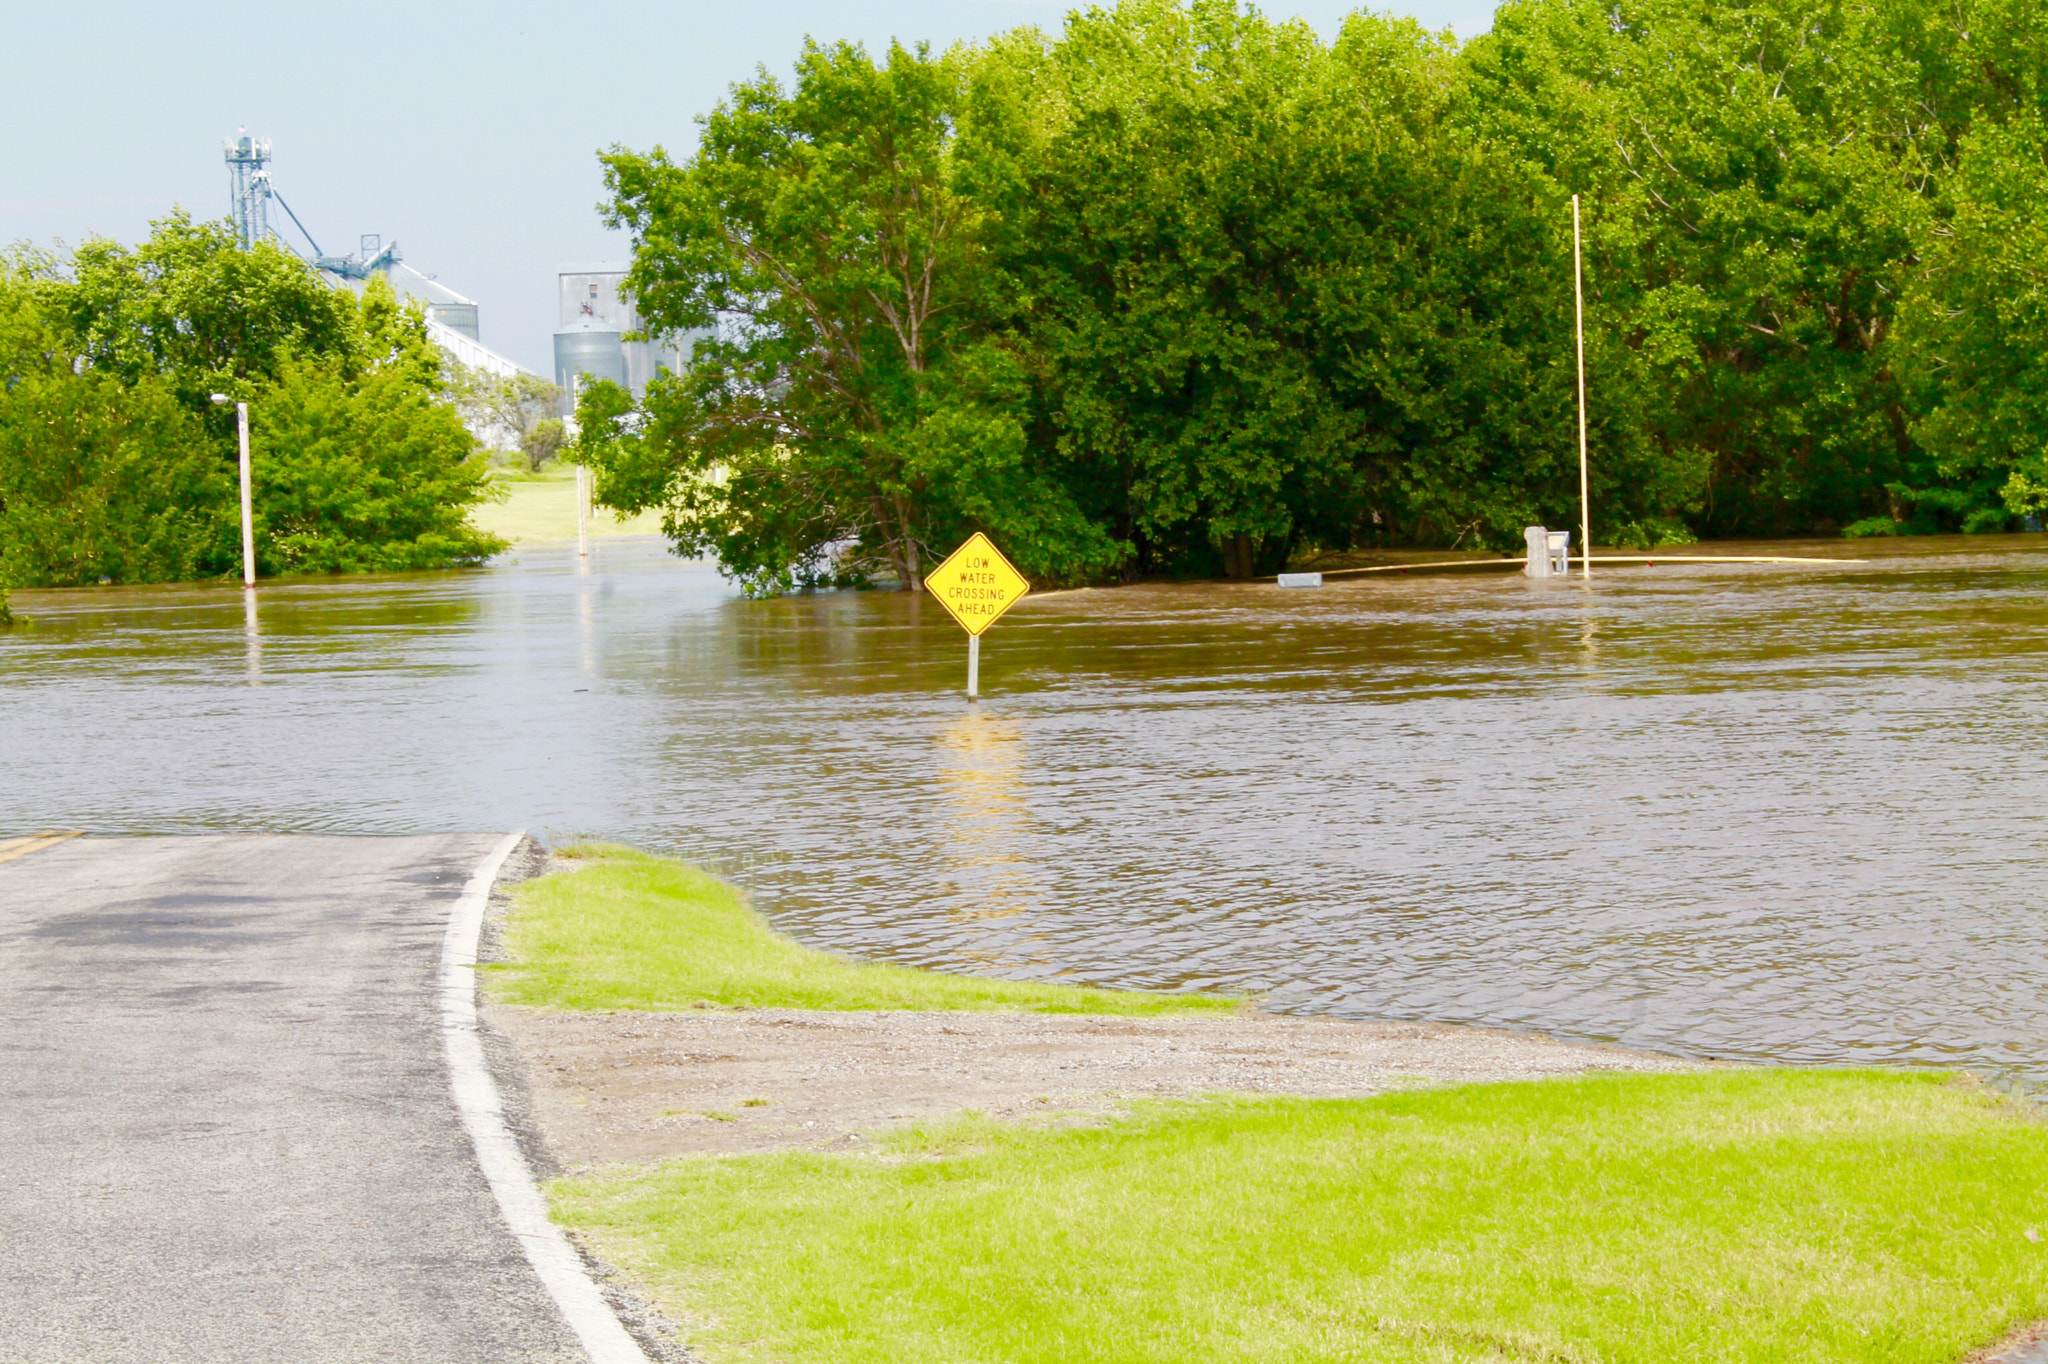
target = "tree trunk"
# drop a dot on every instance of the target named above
(1237, 557)
(913, 578)
(892, 541)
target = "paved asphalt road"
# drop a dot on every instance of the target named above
(226, 1131)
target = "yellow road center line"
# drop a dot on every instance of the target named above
(22, 847)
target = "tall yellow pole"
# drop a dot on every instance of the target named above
(1579, 298)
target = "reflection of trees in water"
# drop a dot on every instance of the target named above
(984, 820)
(369, 622)
(842, 642)
(371, 625)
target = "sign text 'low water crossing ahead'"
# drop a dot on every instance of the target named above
(976, 584)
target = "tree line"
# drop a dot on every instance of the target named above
(116, 465)
(1184, 290)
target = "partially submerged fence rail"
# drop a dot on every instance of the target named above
(1651, 559)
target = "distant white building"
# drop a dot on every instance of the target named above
(442, 303)
(451, 318)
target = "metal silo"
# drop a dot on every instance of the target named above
(588, 348)
(597, 313)
(590, 343)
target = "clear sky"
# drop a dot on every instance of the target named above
(466, 130)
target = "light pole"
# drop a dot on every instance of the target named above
(248, 519)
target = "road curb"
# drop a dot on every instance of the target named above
(497, 1151)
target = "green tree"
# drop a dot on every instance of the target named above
(543, 442)
(1977, 334)
(115, 464)
(1767, 181)
(1186, 290)
(1281, 302)
(190, 307)
(98, 479)
(519, 411)
(370, 475)
(853, 408)
(101, 481)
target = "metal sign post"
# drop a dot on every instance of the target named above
(976, 584)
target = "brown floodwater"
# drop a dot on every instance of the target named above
(1776, 812)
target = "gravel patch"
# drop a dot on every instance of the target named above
(631, 1086)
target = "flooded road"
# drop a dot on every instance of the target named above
(1791, 813)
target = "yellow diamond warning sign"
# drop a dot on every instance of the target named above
(976, 584)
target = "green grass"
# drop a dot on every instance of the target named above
(629, 931)
(1751, 1215)
(541, 509)
(1808, 1217)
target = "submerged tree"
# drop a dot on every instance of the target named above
(1773, 180)
(1977, 334)
(367, 467)
(853, 405)
(1185, 290)
(1280, 301)
(102, 481)
(103, 477)
(115, 464)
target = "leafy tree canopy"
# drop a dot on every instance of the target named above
(1184, 290)
(858, 401)
(115, 464)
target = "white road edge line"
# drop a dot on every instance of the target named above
(483, 1113)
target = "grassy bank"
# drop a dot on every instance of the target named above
(1738, 1215)
(628, 931)
(1734, 1215)
(541, 509)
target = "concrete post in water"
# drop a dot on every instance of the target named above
(973, 667)
(1538, 540)
(248, 505)
(1579, 323)
(582, 511)
(248, 511)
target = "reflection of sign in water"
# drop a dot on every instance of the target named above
(977, 584)
(986, 823)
